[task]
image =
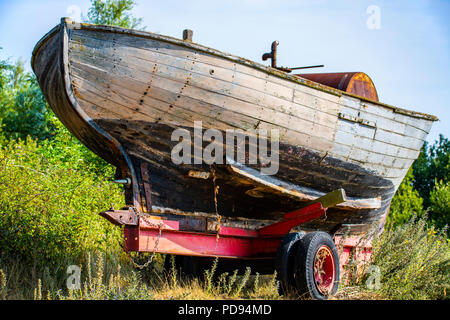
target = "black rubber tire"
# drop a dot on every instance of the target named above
(284, 262)
(303, 274)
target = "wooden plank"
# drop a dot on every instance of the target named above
(287, 120)
(279, 119)
(331, 199)
(375, 146)
(198, 66)
(272, 184)
(398, 140)
(146, 182)
(215, 53)
(303, 125)
(385, 115)
(238, 90)
(320, 104)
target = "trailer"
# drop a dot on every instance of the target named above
(307, 262)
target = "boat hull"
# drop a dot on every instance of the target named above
(130, 90)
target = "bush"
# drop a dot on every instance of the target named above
(440, 205)
(113, 12)
(66, 151)
(49, 204)
(413, 260)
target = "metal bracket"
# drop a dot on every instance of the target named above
(362, 121)
(125, 216)
(294, 219)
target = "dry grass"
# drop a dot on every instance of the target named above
(356, 293)
(413, 262)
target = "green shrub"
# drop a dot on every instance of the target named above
(49, 209)
(440, 205)
(66, 151)
(413, 260)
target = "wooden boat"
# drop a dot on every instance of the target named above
(123, 92)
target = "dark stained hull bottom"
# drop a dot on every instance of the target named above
(164, 184)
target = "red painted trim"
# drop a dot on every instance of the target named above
(302, 211)
(154, 222)
(203, 244)
(230, 242)
(238, 232)
(293, 219)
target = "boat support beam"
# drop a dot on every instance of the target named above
(153, 233)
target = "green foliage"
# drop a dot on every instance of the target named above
(48, 208)
(413, 261)
(114, 13)
(23, 110)
(406, 202)
(4, 68)
(103, 278)
(64, 150)
(420, 190)
(110, 285)
(433, 164)
(234, 286)
(440, 205)
(209, 275)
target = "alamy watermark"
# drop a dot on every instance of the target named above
(374, 277)
(74, 12)
(263, 148)
(74, 279)
(373, 21)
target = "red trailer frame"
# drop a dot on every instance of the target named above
(151, 233)
(227, 242)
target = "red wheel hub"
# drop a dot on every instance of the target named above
(324, 270)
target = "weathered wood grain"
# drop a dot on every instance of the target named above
(122, 92)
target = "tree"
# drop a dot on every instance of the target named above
(432, 164)
(23, 109)
(113, 12)
(440, 205)
(4, 66)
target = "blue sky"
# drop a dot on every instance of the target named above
(407, 57)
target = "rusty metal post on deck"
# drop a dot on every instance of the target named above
(272, 54)
(187, 35)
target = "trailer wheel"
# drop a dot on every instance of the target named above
(316, 266)
(284, 263)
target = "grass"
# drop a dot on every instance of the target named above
(100, 281)
(413, 262)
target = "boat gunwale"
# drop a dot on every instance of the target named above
(246, 62)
